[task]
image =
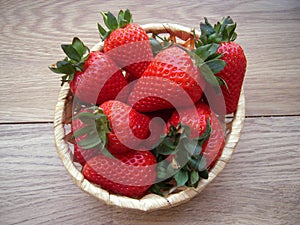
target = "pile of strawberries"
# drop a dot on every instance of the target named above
(146, 109)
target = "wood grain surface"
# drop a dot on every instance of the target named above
(31, 34)
(259, 185)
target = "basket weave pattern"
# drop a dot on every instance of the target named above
(149, 202)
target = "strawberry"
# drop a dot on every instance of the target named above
(195, 117)
(129, 174)
(171, 80)
(114, 125)
(197, 122)
(93, 76)
(193, 143)
(127, 125)
(212, 149)
(223, 34)
(83, 155)
(126, 43)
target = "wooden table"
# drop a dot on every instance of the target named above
(259, 185)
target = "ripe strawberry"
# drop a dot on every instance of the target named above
(211, 148)
(114, 125)
(126, 43)
(197, 122)
(131, 174)
(233, 73)
(128, 127)
(93, 77)
(83, 155)
(171, 80)
(223, 34)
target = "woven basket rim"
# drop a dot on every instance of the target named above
(149, 202)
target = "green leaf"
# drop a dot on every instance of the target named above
(122, 23)
(91, 141)
(120, 16)
(63, 67)
(155, 46)
(79, 66)
(161, 171)
(170, 170)
(82, 131)
(157, 188)
(189, 145)
(124, 18)
(194, 177)
(110, 20)
(128, 16)
(206, 28)
(230, 31)
(204, 174)
(201, 163)
(216, 65)
(102, 31)
(222, 82)
(223, 31)
(166, 147)
(197, 150)
(234, 36)
(209, 76)
(86, 117)
(181, 177)
(203, 51)
(214, 38)
(206, 134)
(71, 52)
(217, 27)
(80, 48)
(107, 153)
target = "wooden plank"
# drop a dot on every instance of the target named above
(31, 34)
(260, 184)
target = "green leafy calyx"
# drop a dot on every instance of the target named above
(113, 23)
(223, 31)
(208, 44)
(76, 53)
(96, 128)
(187, 162)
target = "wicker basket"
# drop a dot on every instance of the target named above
(149, 202)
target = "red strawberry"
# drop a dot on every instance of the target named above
(131, 174)
(128, 127)
(171, 80)
(114, 125)
(233, 73)
(94, 77)
(195, 117)
(233, 55)
(211, 148)
(126, 43)
(83, 155)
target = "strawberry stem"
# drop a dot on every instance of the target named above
(77, 53)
